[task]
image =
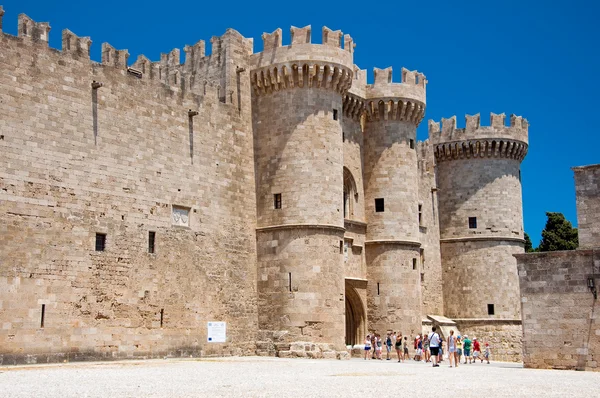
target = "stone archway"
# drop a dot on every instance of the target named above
(355, 317)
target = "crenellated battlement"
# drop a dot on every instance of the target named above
(405, 101)
(302, 63)
(412, 87)
(36, 31)
(474, 140)
(75, 45)
(201, 73)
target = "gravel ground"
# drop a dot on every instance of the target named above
(274, 377)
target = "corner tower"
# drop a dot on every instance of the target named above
(297, 108)
(393, 112)
(481, 217)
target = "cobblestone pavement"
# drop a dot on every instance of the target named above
(273, 377)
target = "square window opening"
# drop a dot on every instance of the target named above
(151, 239)
(379, 205)
(490, 309)
(472, 222)
(412, 144)
(277, 201)
(100, 242)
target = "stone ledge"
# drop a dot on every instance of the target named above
(392, 242)
(484, 238)
(306, 226)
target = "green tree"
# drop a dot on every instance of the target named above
(528, 245)
(558, 234)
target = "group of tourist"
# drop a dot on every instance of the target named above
(427, 348)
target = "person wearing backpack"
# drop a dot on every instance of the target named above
(388, 345)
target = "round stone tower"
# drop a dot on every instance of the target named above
(297, 106)
(481, 217)
(393, 112)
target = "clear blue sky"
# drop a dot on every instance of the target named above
(537, 59)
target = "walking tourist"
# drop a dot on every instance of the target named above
(452, 356)
(487, 353)
(459, 345)
(405, 348)
(399, 347)
(388, 345)
(378, 345)
(367, 347)
(426, 353)
(467, 348)
(373, 345)
(476, 350)
(434, 345)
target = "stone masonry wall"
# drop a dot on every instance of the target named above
(298, 154)
(587, 187)
(478, 273)
(312, 307)
(122, 160)
(560, 315)
(391, 173)
(393, 292)
(504, 337)
(486, 188)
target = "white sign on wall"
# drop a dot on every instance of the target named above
(216, 332)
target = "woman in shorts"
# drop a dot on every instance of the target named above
(367, 346)
(378, 346)
(405, 347)
(426, 348)
(452, 357)
(459, 346)
(398, 346)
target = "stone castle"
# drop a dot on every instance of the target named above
(275, 191)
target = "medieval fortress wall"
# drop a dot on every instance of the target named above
(559, 291)
(122, 157)
(276, 191)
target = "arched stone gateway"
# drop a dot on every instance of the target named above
(355, 317)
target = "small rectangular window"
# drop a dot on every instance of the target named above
(379, 206)
(343, 137)
(420, 214)
(335, 114)
(277, 201)
(151, 237)
(490, 309)
(412, 144)
(414, 263)
(472, 222)
(42, 320)
(100, 242)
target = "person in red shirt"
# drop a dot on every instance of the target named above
(476, 350)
